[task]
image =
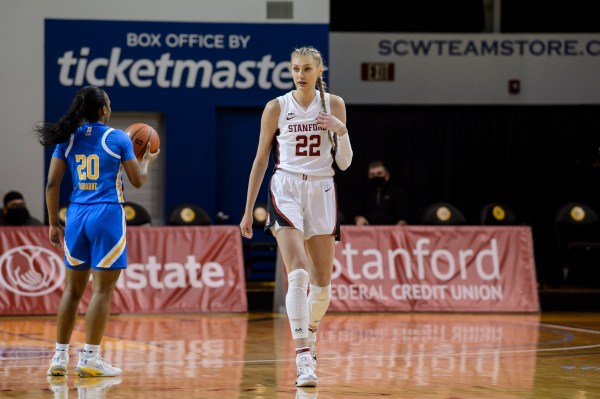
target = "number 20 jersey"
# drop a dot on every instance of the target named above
(93, 155)
(299, 145)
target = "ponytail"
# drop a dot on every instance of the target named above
(321, 86)
(85, 106)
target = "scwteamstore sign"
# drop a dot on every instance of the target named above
(398, 68)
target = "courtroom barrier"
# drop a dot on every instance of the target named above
(170, 269)
(430, 269)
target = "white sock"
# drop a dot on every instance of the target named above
(91, 350)
(296, 303)
(62, 347)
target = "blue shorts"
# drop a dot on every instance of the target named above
(95, 237)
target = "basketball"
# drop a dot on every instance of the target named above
(140, 134)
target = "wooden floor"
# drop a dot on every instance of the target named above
(390, 355)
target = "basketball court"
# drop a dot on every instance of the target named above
(360, 355)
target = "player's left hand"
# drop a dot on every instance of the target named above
(329, 122)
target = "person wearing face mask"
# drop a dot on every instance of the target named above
(384, 203)
(15, 212)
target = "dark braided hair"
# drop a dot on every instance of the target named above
(85, 106)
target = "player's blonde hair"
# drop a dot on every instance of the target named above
(316, 55)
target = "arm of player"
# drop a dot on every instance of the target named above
(343, 155)
(137, 171)
(268, 127)
(336, 122)
(55, 176)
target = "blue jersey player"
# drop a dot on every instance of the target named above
(94, 236)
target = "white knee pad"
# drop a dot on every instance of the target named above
(296, 303)
(318, 302)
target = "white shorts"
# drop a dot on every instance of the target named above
(306, 203)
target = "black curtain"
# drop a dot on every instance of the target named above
(522, 156)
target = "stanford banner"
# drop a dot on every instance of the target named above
(170, 269)
(441, 268)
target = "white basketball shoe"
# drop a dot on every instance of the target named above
(306, 376)
(59, 363)
(95, 366)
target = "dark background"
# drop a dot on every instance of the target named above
(531, 158)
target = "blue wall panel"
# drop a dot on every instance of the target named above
(185, 71)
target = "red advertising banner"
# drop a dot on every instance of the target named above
(441, 268)
(170, 269)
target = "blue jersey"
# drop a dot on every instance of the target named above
(93, 155)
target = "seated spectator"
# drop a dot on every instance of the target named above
(15, 211)
(384, 203)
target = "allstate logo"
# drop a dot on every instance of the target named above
(30, 270)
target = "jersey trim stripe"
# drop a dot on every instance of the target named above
(279, 210)
(275, 150)
(117, 250)
(119, 184)
(337, 207)
(72, 261)
(71, 140)
(108, 150)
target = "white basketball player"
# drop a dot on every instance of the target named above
(306, 131)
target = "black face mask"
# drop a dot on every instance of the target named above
(377, 182)
(16, 216)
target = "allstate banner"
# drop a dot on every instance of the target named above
(441, 268)
(170, 269)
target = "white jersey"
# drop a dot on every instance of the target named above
(300, 146)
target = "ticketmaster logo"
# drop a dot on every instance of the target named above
(30, 270)
(165, 72)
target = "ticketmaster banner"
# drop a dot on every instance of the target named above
(204, 61)
(390, 68)
(191, 74)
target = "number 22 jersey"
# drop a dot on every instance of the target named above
(299, 145)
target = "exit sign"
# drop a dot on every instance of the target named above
(377, 71)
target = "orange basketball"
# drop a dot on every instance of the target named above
(140, 134)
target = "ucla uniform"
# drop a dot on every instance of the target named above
(302, 193)
(95, 222)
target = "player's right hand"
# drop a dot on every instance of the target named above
(150, 156)
(246, 225)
